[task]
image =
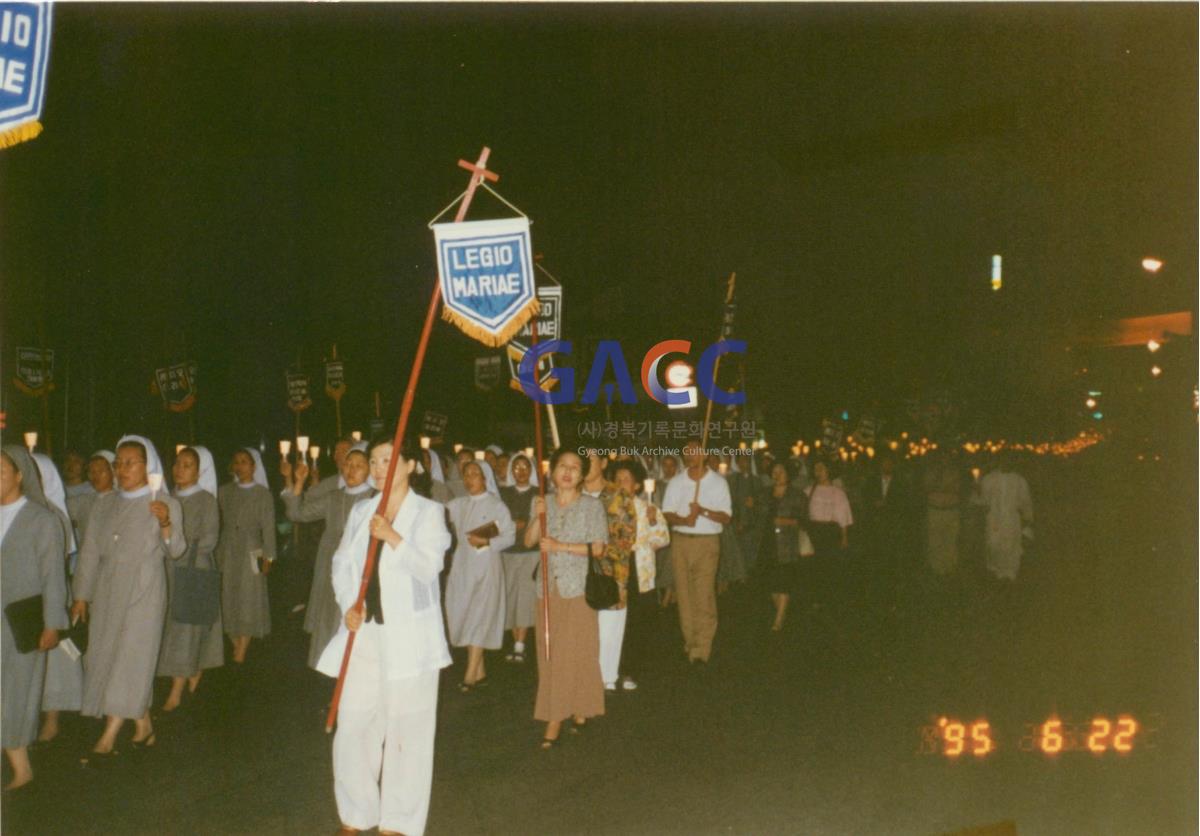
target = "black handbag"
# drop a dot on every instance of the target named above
(196, 593)
(602, 592)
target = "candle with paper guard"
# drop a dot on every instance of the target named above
(356, 435)
(479, 456)
(457, 449)
(285, 447)
(425, 442)
(179, 448)
(155, 480)
(648, 487)
(302, 444)
(529, 452)
(314, 451)
(31, 440)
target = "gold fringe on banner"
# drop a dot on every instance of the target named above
(22, 132)
(476, 332)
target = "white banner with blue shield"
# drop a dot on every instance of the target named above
(486, 274)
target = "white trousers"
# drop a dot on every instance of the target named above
(612, 636)
(383, 749)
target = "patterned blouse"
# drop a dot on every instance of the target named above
(622, 533)
(582, 521)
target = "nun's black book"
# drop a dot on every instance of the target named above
(26, 622)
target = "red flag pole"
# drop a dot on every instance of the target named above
(542, 477)
(479, 173)
(708, 409)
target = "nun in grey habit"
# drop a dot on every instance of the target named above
(247, 534)
(63, 690)
(190, 649)
(323, 616)
(121, 589)
(31, 562)
(475, 588)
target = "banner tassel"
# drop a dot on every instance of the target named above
(21, 133)
(476, 332)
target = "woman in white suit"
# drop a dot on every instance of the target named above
(383, 749)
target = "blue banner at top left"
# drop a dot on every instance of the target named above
(486, 274)
(24, 58)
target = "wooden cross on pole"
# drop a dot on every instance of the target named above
(479, 173)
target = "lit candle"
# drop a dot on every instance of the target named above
(479, 455)
(648, 487)
(314, 451)
(302, 444)
(975, 473)
(155, 480)
(31, 441)
(425, 442)
(529, 452)
(285, 447)
(722, 468)
(356, 435)
(457, 448)
(179, 448)
(545, 466)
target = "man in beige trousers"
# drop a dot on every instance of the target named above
(697, 505)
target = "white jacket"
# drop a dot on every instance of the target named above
(414, 636)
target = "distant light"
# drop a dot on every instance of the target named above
(1091, 403)
(1156, 371)
(1095, 393)
(1153, 345)
(997, 280)
(1151, 265)
(1097, 415)
(845, 415)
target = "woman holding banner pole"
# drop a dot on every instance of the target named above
(387, 715)
(569, 682)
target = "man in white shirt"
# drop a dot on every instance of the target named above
(697, 505)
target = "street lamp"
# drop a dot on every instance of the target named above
(1151, 264)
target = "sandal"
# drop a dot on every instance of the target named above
(145, 743)
(518, 657)
(548, 743)
(98, 760)
(465, 687)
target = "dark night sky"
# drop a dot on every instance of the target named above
(241, 184)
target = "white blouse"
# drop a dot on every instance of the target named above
(829, 504)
